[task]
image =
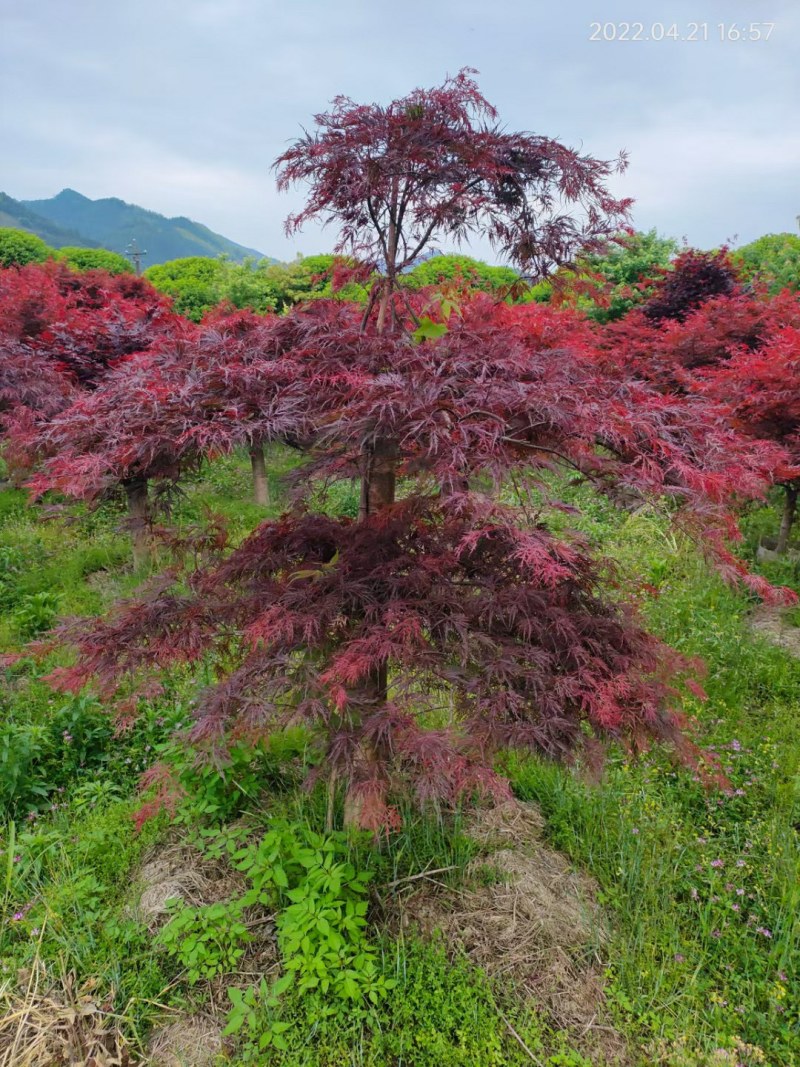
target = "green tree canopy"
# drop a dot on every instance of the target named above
(95, 259)
(198, 283)
(774, 259)
(440, 269)
(18, 247)
(195, 283)
(609, 285)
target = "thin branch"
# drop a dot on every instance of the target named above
(422, 874)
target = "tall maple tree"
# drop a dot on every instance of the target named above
(437, 165)
(443, 625)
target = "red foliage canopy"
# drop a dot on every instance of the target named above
(762, 389)
(508, 628)
(437, 162)
(83, 323)
(28, 380)
(199, 392)
(445, 591)
(669, 351)
(692, 279)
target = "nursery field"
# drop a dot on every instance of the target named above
(400, 654)
(632, 913)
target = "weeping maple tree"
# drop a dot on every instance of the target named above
(445, 624)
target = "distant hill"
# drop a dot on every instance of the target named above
(19, 216)
(113, 224)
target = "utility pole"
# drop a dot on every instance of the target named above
(136, 254)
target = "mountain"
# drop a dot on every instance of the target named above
(113, 224)
(19, 216)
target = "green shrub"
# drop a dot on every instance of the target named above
(206, 941)
(95, 259)
(35, 613)
(18, 248)
(321, 922)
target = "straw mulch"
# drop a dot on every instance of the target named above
(56, 1027)
(527, 917)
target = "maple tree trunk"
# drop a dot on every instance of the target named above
(377, 492)
(787, 519)
(380, 490)
(139, 521)
(378, 483)
(260, 479)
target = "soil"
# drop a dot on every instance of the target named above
(769, 622)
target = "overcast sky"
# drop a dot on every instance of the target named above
(182, 105)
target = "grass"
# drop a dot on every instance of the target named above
(701, 884)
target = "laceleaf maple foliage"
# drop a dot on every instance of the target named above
(456, 599)
(199, 392)
(762, 389)
(702, 330)
(30, 381)
(83, 323)
(693, 278)
(507, 627)
(441, 626)
(60, 332)
(437, 164)
(156, 414)
(715, 336)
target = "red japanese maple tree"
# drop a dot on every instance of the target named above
(443, 625)
(60, 332)
(83, 323)
(437, 164)
(705, 332)
(196, 393)
(762, 389)
(699, 315)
